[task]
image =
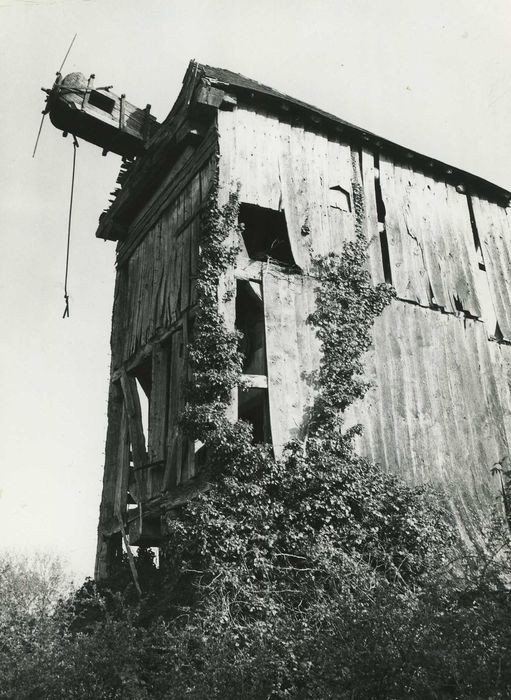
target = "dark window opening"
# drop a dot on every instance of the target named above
(101, 101)
(385, 257)
(253, 408)
(265, 234)
(250, 323)
(339, 198)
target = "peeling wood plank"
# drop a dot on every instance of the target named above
(493, 225)
(123, 468)
(136, 431)
(434, 412)
(292, 353)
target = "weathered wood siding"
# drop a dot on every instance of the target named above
(440, 407)
(284, 167)
(160, 273)
(292, 351)
(153, 307)
(494, 228)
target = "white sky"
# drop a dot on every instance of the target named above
(434, 76)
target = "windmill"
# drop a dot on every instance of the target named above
(95, 114)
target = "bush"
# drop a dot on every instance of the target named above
(314, 576)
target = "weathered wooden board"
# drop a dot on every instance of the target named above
(176, 449)
(434, 414)
(494, 228)
(292, 351)
(158, 410)
(123, 470)
(283, 166)
(431, 245)
(107, 522)
(157, 284)
(370, 217)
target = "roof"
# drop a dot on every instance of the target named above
(246, 86)
(146, 171)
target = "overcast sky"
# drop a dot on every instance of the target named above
(434, 76)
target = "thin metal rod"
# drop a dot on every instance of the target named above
(38, 134)
(67, 54)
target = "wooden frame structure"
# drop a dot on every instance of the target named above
(440, 405)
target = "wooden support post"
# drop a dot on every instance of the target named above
(88, 90)
(122, 112)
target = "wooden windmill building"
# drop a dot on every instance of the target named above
(440, 406)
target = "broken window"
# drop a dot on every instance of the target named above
(253, 408)
(250, 323)
(265, 234)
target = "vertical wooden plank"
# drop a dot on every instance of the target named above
(184, 243)
(172, 475)
(283, 362)
(228, 154)
(158, 410)
(393, 203)
(465, 264)
(371, 229)
(293, 178)
(496, 242)
(114, 434)
(194, 259)
(292, 352)
(123, 468)
(136, 430)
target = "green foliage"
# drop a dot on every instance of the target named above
(213, 353)
(314, 576)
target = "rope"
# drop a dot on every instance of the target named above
(66, 295)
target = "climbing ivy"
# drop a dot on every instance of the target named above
(215, 361)
(266, 521)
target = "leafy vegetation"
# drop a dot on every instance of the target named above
(314, 576)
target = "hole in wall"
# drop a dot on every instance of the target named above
(250, 323)
(265, 233)
(253, 408)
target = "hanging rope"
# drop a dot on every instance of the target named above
(66, 295)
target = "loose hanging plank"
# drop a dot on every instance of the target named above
(292, 352)
(135, 427)
(123, 468)
(494, 227)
